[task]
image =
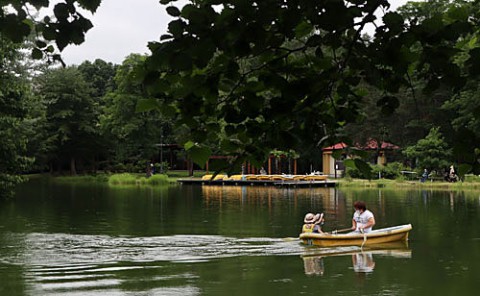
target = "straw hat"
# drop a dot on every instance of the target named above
(318, 218)
(309, 218)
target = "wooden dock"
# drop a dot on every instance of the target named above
(278, 183)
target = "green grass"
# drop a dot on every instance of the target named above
(127, 179)
(184, 174)
(100, 178)
(124, 179)
(469, 184)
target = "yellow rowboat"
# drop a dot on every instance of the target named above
(234, 178)
(316, 177)
(378, 236)
(207, 177)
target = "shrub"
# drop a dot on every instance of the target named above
(389, 171)
(118, 168)
(158, 180)
(471, 178)
(122, 179)
(161, 167)
(130, 179)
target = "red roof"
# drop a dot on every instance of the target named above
(337, 146)
(371, 145)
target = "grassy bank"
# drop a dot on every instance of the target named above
(123, 179)
(404, 184)
(132, 179)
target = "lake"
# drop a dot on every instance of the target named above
(90, 239)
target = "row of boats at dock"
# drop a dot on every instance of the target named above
(283, 177)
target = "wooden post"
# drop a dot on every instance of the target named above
(269, 165)
(294, 166)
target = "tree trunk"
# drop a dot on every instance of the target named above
(94, 165)
(190, 168)
(73, 170)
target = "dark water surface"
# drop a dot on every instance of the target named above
(77, 239)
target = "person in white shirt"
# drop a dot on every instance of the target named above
(363, 220)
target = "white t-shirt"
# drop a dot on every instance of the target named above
(362, 219)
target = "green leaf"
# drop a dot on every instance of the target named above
(188, 145)
(173, 11)
(50, 49)
(176, 27)
(349, 163)
(200, 155)
(49, 33)
(91, 5)
(61, 11)
(145, 105)
(358, 152)
(165, 37)
(37, 54)
(39, 3)
(393, 21)
(458, 13)
(303, 29)
(40, 44)
(337, 154)
(463, 169)
(14, 29)
(364, 168)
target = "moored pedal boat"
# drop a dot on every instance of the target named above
(378, 236)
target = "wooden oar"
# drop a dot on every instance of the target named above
(341, 230)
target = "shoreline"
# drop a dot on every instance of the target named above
(139, 179)
(404, 184)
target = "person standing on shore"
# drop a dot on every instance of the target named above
(363, 220)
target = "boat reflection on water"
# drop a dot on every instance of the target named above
(362, 258)
(363, 262)
(313, 265)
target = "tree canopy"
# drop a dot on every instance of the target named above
(247, 77)
(252, 76)
(431, 153)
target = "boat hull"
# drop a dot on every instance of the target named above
(380, 236)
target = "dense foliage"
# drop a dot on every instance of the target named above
(252, 76)
(14, 104)
(431, 153)
(245, 78)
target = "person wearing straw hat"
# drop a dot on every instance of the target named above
(320, 220)
(313, 223)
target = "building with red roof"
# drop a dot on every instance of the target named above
(335, 167)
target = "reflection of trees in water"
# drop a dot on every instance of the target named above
(325, 200)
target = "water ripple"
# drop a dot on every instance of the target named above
(69, 264)
(58, 249)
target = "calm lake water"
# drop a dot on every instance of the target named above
(74, 239)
